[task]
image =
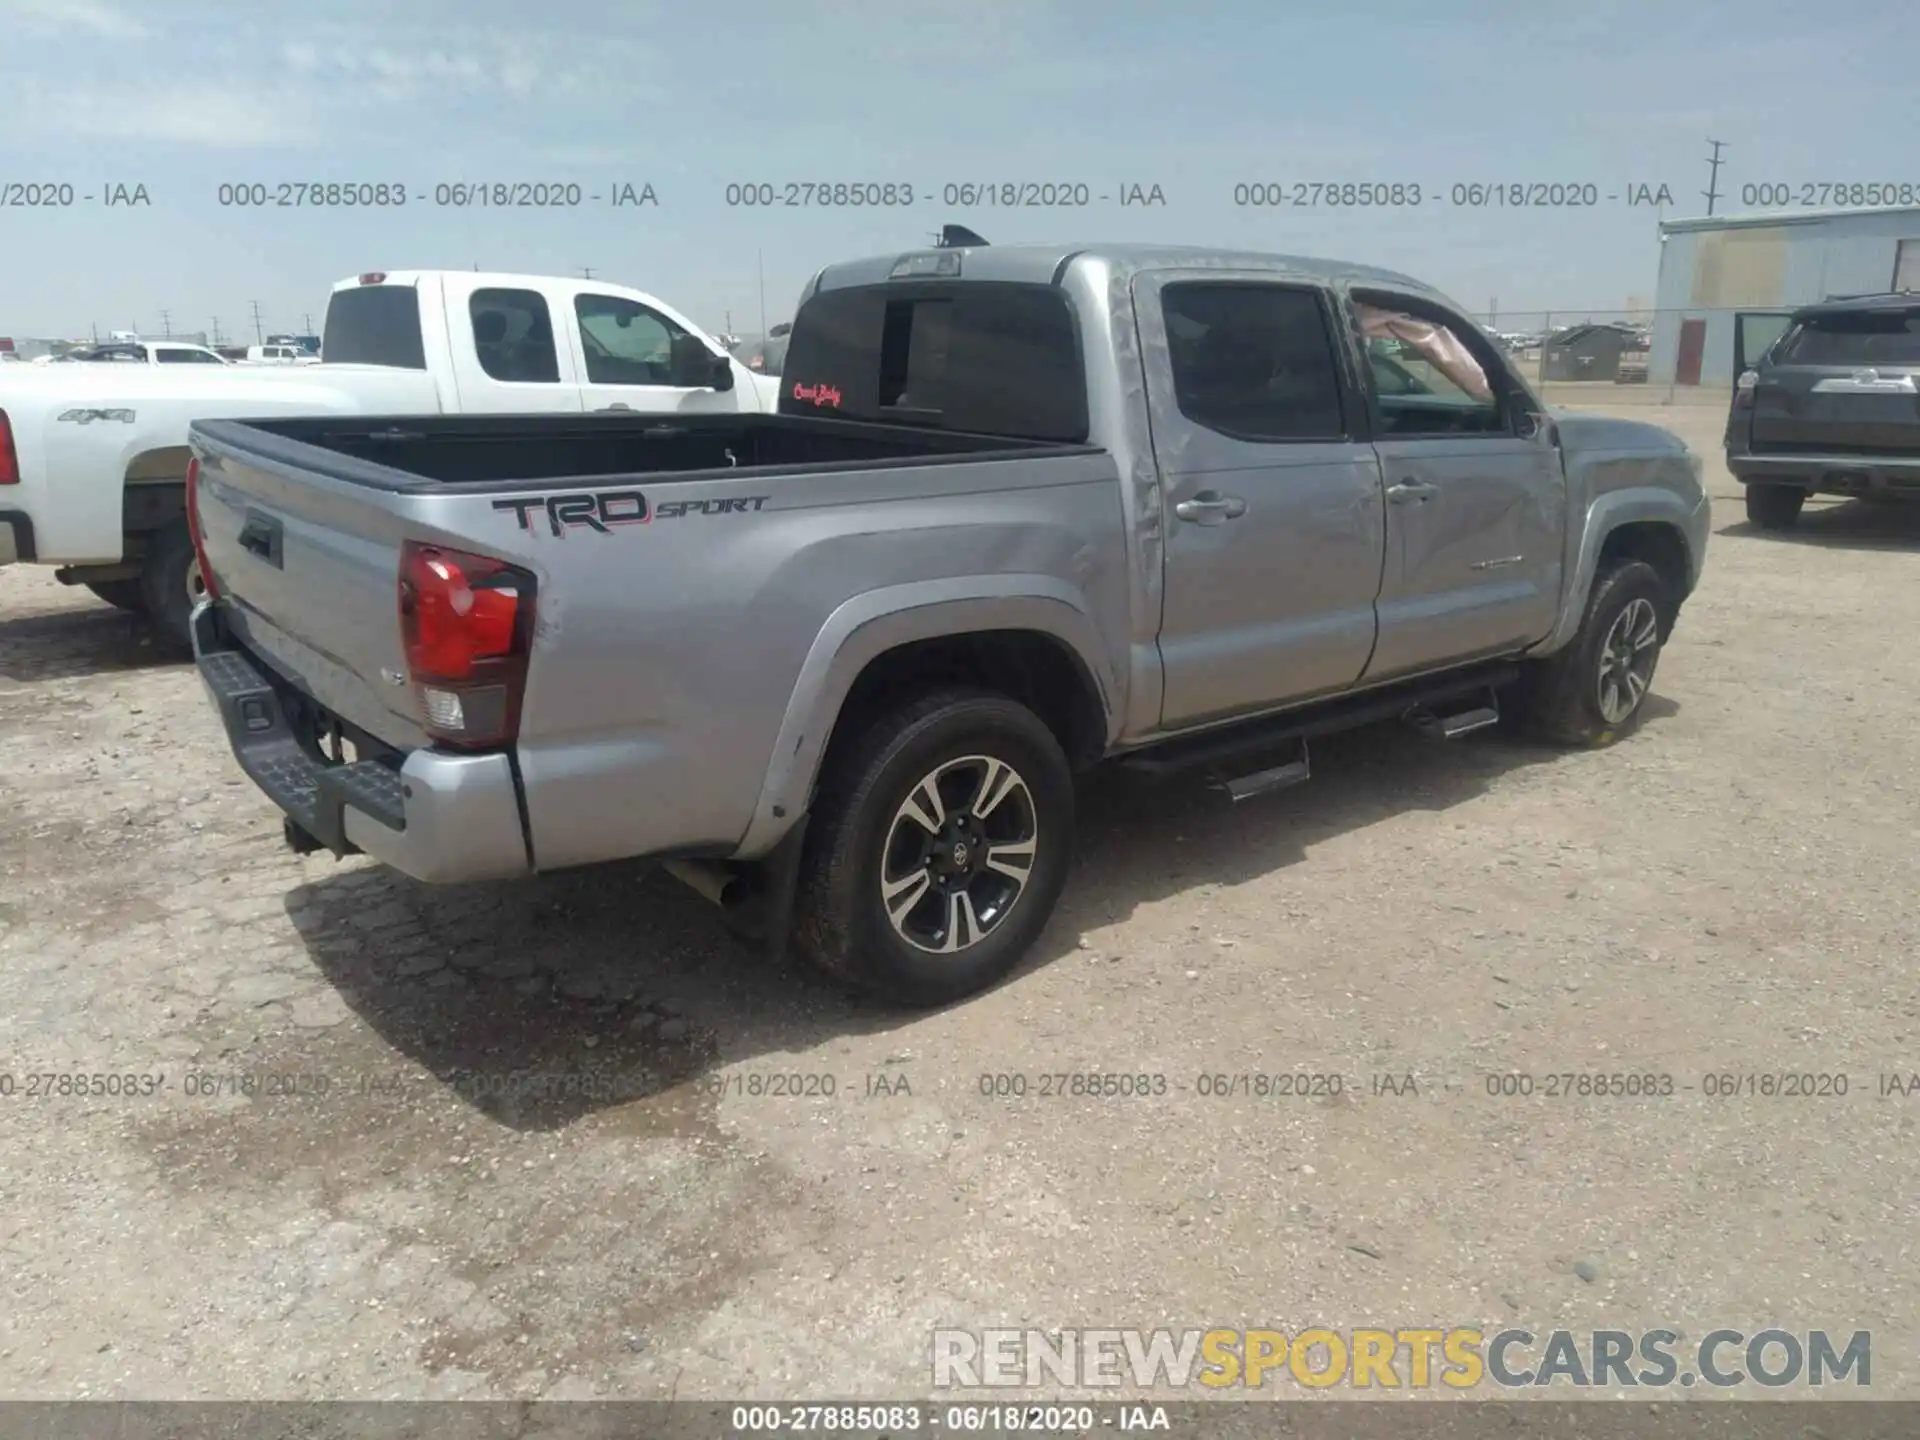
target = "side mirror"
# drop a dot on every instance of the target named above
(1528, 424)
(695, 367)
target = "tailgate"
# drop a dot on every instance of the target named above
(307, 565)
(1830, 411)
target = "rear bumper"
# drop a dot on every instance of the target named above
(1830, 474)
(16, 536)
(440, 818)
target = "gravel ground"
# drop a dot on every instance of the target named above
(1731, 891)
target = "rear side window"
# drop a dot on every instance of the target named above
(375, 325)
(1885, 337)
(1255, 362)
(513, 336)
(983, 356)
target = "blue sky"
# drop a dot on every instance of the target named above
(184, 95)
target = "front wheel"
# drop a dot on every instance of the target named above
(939, 845)
(1774, 506)
(1592, 691)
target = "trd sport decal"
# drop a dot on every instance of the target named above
(602, 510)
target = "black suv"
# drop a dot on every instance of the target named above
(1832, 408)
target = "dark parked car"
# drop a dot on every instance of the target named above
(1831, 408)
(766, 355)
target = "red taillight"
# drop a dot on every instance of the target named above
(9, 457)
(193, 528)
(467, 623)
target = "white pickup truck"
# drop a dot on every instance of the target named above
(93, 458)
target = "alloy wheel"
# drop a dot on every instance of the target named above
(958, 854)
(1627, 656)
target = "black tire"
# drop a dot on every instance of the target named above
(1775, 507)
(1561, 699)
(121, 594)
(170, 583)
(860, 822)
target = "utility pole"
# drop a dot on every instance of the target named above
(1714, 162)
(760, 263)
(1493, 312)
(586, 272)
(216, 330)
(166, 324)
(258, 334)
(306, 324)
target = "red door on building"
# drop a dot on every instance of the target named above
(1693, 345)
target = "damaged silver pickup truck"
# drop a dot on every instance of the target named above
(1023, 510)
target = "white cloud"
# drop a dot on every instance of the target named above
(222, 118)
(95, 17)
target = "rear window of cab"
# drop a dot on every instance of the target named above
(984, 357)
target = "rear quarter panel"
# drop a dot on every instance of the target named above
(672, 660)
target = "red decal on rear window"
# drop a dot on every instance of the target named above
(821, 394)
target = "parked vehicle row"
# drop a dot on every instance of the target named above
(1014, 512)
(93, 458)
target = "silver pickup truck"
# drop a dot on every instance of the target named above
(1023, 509)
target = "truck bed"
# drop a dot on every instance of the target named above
(415, 453)
(666, 645)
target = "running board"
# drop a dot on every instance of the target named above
(1257, 739)
(1274, 777)
(1460, 722)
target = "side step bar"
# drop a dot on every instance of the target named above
(1258, 739)
(1461, 722)
(1275, 777)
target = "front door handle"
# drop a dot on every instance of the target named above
(1210, 507)
(1410, 490)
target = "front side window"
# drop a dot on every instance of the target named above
(513, 336)
(1254, 361)
(1429, 378)
(625, 342)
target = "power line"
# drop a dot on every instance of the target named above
(1714, 162)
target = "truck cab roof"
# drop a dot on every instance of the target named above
(1044, 264)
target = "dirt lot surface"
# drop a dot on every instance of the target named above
(526, 1153)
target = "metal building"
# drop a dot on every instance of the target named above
(1727, 282)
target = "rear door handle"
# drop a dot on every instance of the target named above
(1409, 490)
(1210, 507)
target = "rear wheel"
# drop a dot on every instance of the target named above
(939, 845)
(1775, 506)
(172, 585)
(121, 594)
